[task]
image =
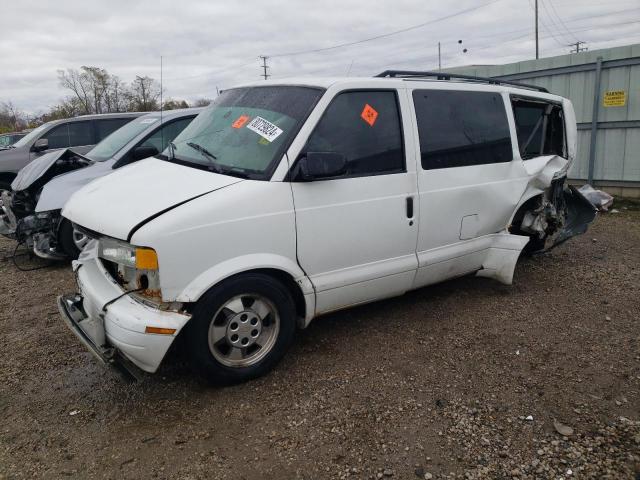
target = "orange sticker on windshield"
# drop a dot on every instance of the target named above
(369, 114)
(240, 121)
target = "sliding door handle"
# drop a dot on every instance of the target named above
(409, 207)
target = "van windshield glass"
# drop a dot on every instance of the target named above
(245, 131)
(115, 142)
(26, 140)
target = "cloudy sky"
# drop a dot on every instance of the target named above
(209, 44)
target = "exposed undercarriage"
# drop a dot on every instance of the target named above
(560, 213)
(38, 231)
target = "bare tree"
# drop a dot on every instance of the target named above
(171, 104)
(75, 81)
(11, 118)
(95, 89)
(144, 94)
(202, 102)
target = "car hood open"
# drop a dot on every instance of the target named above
(44, 164)
(117, 204)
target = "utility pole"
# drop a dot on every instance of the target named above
(264, 66)
(537, 47)
(439, 58)
(578, 47)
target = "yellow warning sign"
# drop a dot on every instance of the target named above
(615, 98)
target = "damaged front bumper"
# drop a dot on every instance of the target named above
(117, 335)
(8, 221)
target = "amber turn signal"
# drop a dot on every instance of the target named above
(146, 259)
(160, 331)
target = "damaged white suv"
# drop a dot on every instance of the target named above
(286, 200)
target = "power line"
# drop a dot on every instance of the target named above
(553, 23)
(384, 35)
(562, 21)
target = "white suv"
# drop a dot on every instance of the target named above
(286, 200)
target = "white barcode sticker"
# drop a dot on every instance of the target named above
(264, 128)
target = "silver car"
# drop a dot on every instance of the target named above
(81, 133)
(30, 213)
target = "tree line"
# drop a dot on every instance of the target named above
(94, 90)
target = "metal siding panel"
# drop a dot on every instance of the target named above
(632, 155)
(560, 85)
(610, 155)
(633, 111)
(580, 168)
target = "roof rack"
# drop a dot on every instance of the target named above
(456, 76)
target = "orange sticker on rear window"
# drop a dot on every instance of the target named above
(369, 114)
(240, 121)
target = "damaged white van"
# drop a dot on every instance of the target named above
(286, 200)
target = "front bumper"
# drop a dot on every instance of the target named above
(117, 337)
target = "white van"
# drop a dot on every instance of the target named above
(286, 200)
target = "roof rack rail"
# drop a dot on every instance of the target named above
(456, 76)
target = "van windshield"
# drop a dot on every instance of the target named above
(245, 131)
(115, 142)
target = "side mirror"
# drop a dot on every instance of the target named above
(145, 151)
(319, 165)
(40, 145)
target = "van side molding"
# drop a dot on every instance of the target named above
(502, 256)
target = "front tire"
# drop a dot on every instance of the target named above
(241, 328)
(70, 240)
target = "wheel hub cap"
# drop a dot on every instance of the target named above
(243, 329)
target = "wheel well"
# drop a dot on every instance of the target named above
(288, 281)
(529, 204)
(284, 278)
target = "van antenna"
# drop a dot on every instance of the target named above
(161, 129)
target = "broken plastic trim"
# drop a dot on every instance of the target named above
(579, 214)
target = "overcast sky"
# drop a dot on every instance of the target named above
(207, 44)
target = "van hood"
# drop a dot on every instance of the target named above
(119, 203)
(59, 189)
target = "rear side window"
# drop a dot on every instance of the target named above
(540, 127)
(80, 134)
(459, 129)
(106, 127)
(365, 127)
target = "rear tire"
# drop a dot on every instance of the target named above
(241, 328)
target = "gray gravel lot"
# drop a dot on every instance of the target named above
(459, 380)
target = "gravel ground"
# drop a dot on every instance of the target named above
(467, 379)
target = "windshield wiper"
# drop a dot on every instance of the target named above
(172, 150)
(206, 153)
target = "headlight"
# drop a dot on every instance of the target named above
(134, 268)
(140, 258)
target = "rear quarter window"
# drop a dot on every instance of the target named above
(460, 128)
(539, 127)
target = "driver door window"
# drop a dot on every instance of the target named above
(58, 137)
(364, 126)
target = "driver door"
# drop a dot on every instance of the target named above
(357, 232)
